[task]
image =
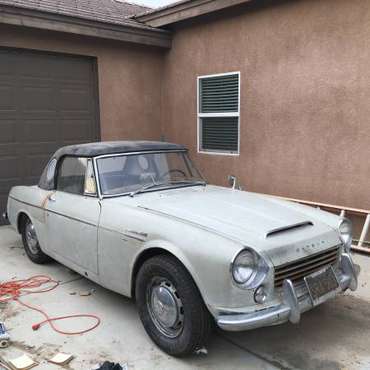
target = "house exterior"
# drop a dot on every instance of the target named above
(275, 92)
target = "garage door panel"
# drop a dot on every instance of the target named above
(7, 97)
(46, 101)
(9, 167)
(7, 131)
(7, 66)
(41, 130)
(35, 65)
(75, 100)
(9, 149)
(80, 70)
(35, 164)
(47, 148)
(36, 82)
(40, 99)
(75, 129)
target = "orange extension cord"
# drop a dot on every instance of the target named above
(12, 290)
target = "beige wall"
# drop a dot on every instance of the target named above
(129, 79)
(305, 97)
(305, 93)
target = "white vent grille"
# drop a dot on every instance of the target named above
(218, 113)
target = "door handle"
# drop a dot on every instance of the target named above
(51, 198)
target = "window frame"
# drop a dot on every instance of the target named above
(85, 194)
(215, 115)
(97, 174)
(57, 174)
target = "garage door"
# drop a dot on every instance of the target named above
(46, 101)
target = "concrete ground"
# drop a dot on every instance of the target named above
(335, 335)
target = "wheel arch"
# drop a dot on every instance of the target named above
(21, 217)
(150, 252)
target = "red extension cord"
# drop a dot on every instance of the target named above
(12, 290)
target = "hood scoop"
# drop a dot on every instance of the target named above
(283, 229)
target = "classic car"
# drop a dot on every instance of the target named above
(138, 218)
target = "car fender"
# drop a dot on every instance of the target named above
(159, 245)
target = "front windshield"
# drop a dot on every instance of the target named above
(140, 172)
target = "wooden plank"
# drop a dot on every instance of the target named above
(360, 249)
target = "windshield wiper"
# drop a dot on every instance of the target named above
(172, 182)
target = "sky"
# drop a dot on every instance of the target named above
(153, 3)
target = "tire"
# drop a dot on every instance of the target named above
(31, 243)
(171, 307)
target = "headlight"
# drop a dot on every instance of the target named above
(345, 231)
(249, 269)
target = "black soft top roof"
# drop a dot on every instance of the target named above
(114, 147)
(47, 180)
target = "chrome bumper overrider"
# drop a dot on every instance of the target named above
(296, 300)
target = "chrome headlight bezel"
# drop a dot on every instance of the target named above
(345, 233)
(257, 264)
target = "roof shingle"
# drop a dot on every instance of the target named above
(106, 11)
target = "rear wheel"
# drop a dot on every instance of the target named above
(31, 243)
(170, 306)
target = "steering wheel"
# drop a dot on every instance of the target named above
(173, 171)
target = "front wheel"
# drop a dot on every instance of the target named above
(170, 306)
(31, 243)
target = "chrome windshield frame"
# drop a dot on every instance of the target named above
(103, 196)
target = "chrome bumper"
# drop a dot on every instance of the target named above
(296, 300)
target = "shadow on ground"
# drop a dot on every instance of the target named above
(334, 335)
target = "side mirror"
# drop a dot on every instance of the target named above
(233, 182)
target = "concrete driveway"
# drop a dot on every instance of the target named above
(333, 336)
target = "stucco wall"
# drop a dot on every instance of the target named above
(129, 79)
(305, 93)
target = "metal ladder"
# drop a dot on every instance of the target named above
(361, 242)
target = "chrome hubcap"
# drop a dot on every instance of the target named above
(31, 238)
(165, 307)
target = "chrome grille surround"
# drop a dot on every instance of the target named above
(297, 270)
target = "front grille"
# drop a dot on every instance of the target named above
(297, 270)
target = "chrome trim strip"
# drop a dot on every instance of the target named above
(97, 178)
(133, 237)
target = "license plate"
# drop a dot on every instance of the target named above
(321, 285)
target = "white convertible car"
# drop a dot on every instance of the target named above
(139, 219)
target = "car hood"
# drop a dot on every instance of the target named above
(236, 214)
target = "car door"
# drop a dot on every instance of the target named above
(73, 212)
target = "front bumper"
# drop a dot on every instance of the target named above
(296, 300)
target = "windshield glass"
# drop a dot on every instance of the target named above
(148, 171)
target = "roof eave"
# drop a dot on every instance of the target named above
(73, 25)
(184, 10)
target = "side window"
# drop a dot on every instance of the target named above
(71, 175)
